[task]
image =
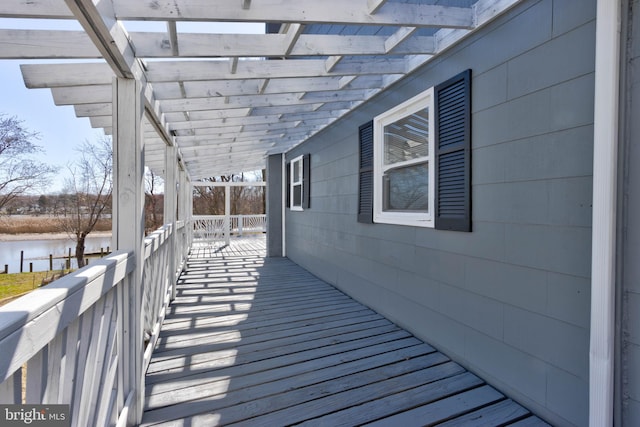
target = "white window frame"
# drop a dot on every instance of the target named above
(419, 219)
(294, 183)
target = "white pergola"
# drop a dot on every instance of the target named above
(225, 101)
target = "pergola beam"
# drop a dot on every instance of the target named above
(255, 101)
(108, 35)
(169, 71)
(238, 88)
(352, 12)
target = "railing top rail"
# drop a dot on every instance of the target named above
(230, 184)
(154, 241)
(30, 322)
(196, 217)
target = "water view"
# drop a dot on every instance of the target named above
(38, 251)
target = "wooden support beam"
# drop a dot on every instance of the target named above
(111, 39)
(293, 34)
(54, 75)
(173, 38)
(255, 101)
(352, 12)
(44, 9)
(34, 44)
(344, 81)
(398, 37)
(128, 225)
(292, 43)
(375, 5)
(331, 63)
(262, 87)
(169, 211)
(107, 34)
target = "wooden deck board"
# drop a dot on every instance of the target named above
(257, 341)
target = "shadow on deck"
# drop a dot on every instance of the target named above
(251, 340)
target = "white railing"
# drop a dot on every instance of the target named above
(210, 228)
(183, 240)
(68, 336)
(157, 286)
(76, 337)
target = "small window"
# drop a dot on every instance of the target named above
(403, 163)
(297, 166)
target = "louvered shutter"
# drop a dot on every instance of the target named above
(306, 181)
(453, 153)
(365, 188)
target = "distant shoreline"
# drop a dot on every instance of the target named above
(47, 236)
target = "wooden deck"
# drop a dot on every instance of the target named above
(252, 244)
(257, 341)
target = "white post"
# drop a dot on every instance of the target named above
(227, 214)
(240, 224)
(603, 258)
(128, 232)
(170, 166)
(284, 203)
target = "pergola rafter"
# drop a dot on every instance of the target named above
(215, 91)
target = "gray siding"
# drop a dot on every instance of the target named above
(511, 299)
(274, 206)
(630, 156)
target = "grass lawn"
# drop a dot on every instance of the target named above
(12, 285)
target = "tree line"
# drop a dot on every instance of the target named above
(244, 200)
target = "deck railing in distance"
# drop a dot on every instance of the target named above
(211, 228)
(75, 336)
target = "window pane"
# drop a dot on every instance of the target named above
(407, 138)
(297, 195)
(296, 171)
(406, 189)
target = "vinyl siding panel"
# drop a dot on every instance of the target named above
(629, 293)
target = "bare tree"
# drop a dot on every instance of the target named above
(19, 173)
(90, 188)
(153, 202)
(249, 200)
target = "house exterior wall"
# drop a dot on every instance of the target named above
(510, 300)
(629, 369)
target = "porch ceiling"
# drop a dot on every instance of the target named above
(228, 100)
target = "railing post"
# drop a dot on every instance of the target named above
(240, 224)
(128, 234)
(170, 211)
(227, 214)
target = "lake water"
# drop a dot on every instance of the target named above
(37, 252)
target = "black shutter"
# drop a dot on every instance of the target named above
(306, 181)
(287, 187)
(365, 188)
(453, 153)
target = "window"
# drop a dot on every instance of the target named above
(403, 166)
(299, 183)
(415, 160)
